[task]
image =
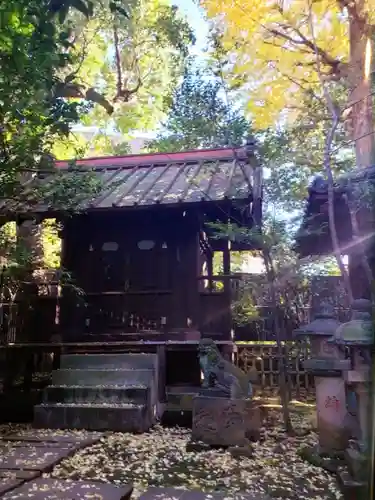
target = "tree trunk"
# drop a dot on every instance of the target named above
(360, 98)
(270, 271)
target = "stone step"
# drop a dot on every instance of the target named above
(122, 378)
(95, 417)
(109, 361)
(83, 394)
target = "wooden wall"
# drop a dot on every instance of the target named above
(131, 289)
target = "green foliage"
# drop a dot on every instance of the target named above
(135, 60)
(35, 50)
(32, 117)
(283, 286)
(294, 155)
(200, 117)
(51, 244)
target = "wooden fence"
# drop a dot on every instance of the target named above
(265, 358)
(29, 367)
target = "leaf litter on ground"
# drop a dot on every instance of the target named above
(159, 458)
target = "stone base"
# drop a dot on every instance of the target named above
(253, 420)
(350, 488)
(332, 437)
(213, 393)
(98, 377)
(96, 395)
(197, 447)
(313, 455)
(241, 451)
(121, 418)
(219, 421)
(357, 464)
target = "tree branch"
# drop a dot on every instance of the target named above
(327, 165)
(118, 60)
(327, 59)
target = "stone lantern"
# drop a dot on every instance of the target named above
(357, 336)
(327, 364)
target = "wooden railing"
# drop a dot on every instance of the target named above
(126, 311)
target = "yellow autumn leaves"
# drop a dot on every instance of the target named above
(272, 47)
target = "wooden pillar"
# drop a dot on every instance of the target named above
(29, 243)
(67, 308)
(226, 267)
(186, 287)
(227, 289)
(191, 272)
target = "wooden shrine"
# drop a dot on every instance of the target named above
(354, 222)
(142, 251)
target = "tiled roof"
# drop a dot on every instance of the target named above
(313, 236)
(189, 177)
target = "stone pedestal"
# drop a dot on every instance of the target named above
(331, 413)
(219, 421)
(253, 420)
(330, 402)
(327, 364)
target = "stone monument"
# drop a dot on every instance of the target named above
(224, 413)
(327, 364)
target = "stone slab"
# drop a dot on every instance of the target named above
(8, 484)
(79, 439)
(219, 421)
(121, 418)
(213, 393)
(121, 378)
(41, 444)
(57, 489)
(11, 479)
(179, 494)
(24, 475)
(357, 376)
(330, 364)
(108, 361)
(82, 394)
(33, 458)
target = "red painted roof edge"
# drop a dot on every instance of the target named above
(145, 158)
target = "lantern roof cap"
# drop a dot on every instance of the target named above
(359, 330)
(324, 324)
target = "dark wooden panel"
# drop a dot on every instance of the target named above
(215, 314)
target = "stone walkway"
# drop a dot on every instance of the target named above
(24, 457)
(179, 494)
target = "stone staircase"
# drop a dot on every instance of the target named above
(116, 392)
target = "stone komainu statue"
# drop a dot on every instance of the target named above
(221, 374)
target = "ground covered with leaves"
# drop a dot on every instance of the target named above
(159, 458)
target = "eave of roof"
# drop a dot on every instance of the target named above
(156, 158)
(144, 180)
(311, 238)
